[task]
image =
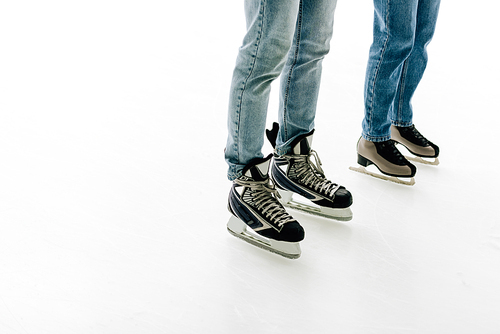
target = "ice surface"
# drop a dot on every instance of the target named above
(113, 189)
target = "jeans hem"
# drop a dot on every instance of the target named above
(231, 176)
(281, 150)
(402, 124)
(376, 139)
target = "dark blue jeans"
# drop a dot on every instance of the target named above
(397, 61)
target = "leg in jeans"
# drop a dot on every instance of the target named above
(296, 169)
(393, 38)
(414, 66)
(270, 31)
(402, 29)
(301, 76)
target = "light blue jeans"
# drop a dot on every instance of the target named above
(284, 37)
(397, 61)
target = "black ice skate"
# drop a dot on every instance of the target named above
(388, 160)
(423, 150)
(296, 174)
(258, 216)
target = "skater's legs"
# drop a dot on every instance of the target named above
(301, 76)
(393, 39)
(270, 29)
(414, 66)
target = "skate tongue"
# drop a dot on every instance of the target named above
(258, 169)
(302, 144)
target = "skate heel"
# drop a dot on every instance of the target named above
(236, 226)
(363, 161)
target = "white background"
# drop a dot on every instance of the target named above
(113, 185)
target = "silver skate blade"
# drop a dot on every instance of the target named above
(303, 205)
(433, 162)
(239, 229)
(394, 179)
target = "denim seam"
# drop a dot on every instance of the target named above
(252, 66)
(289, 77)
(401, 93)
(375, 75)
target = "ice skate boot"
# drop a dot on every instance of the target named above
(295, 174)
(388, 160)
(423, 150)
(258, 216)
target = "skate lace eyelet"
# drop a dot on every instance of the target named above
(310, 174)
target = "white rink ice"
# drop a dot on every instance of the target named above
(113, 185)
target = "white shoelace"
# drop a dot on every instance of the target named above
(311, 174)
(262, 195)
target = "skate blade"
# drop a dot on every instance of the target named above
(431, 161)
(287, 199)
(412, 157)
(394, 179)
(290, 250)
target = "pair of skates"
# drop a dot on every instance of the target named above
(258, 198)
(389, 161)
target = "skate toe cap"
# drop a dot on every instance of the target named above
(436, 150)
(343, 198)
(292, 232)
